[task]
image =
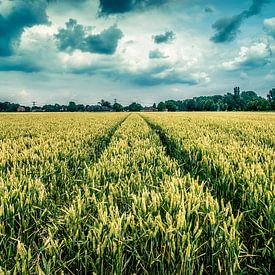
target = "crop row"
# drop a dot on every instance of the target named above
(136, 213)
(42, 163)
(235, 159)
(106, 193)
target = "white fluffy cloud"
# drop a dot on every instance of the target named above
(255, 56)
(270, 76)
(189, 65)
(269, 26)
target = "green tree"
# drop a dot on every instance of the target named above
(161, 106)
(171, 105)
(105, 103)
(271, 98)
(118, 107)
(190, 104)
(48, 108)
(80, 108)
(135, 107)
(248, 97)
(72, 107)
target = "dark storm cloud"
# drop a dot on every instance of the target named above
(208, 10)
(164, 38)
(17, 64)
(105, 42)
(108, 7)
(255, 8)
(75, 36)
(227, 28)
(71, 37)
(22, 14)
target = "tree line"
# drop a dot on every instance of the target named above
(236, 101)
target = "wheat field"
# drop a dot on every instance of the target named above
(137, 193)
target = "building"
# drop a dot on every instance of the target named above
(149, 109)
(21, 109)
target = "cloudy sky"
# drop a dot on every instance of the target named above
(134, 50)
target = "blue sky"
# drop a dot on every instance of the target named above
(134, 50)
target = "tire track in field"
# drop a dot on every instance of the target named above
(57, 202)
(44, 207)
(103, 143)
(66, 196)
(133, 188)
(187, 164)
(193, 164)
(99, 145)
(171, 148)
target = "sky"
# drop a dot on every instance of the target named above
(58, 51)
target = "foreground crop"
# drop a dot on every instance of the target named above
(110, 193)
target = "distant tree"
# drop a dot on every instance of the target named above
(271, 94)
(58, 108)
(64, 108)
(126, 108)
(209, 105)
(135, 107)
(237, 98)
(259, 104)
(190, 104)
(180, 105)
(117, 107)
(229, 99)
(217, 98)
(80, 108)
(105, 103)
(3, 106)
(246, 98)
(237, 92)
(249, 96)
(271, 98)
(48, 108)
(171, 105)
(221, 106)
(8, 107)
(263, 105)
(72, 107)
(161, 106)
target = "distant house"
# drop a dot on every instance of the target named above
(21, 109)
(106, 109)
(149, 109)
